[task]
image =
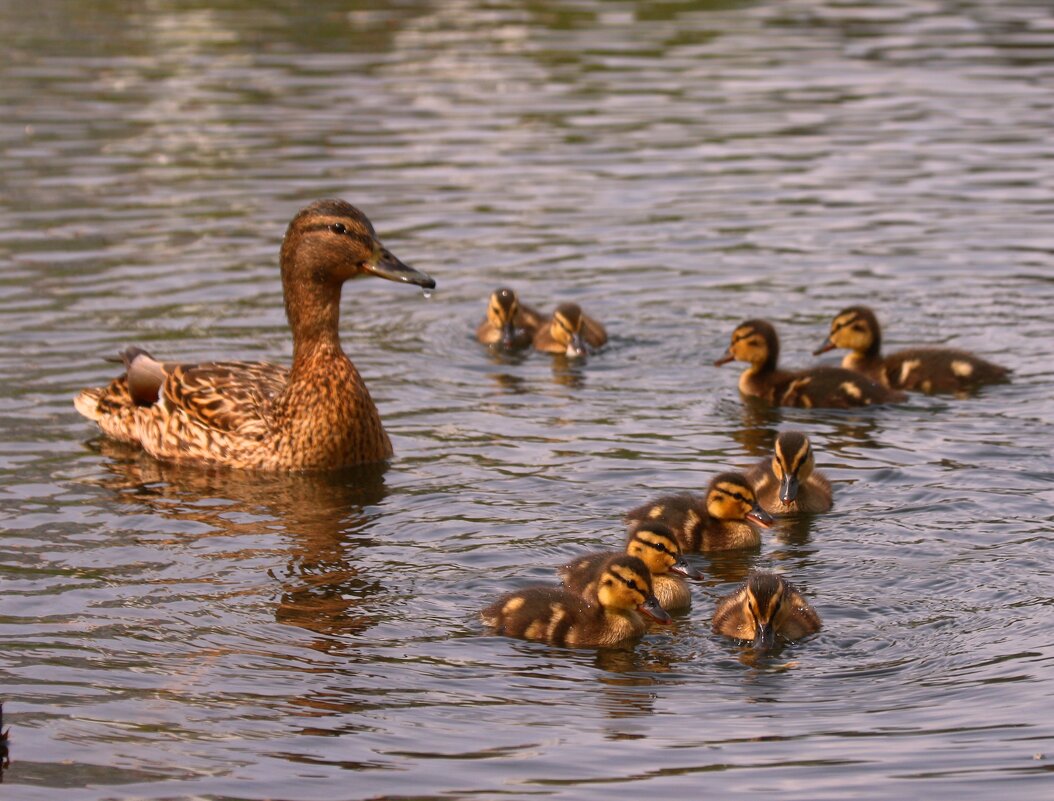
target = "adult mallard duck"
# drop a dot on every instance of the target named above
(788, 482)
(720, 520)
(756, 342)
(561, 617)
(925, 369)
(570, 331)
(509, 324)
(314, 415)
(765, 607)
(656, 546)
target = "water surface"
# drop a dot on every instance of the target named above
(675, 167)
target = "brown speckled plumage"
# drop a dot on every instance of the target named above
(315, 415)
(756, 342)
(922, 369)
(716, 521)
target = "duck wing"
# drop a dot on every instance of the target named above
(233, 397)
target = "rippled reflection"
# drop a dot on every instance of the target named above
(321, 517)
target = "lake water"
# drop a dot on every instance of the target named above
(675, 167)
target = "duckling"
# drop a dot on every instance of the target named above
(765, 607)
(315, 415)
(509, 324)
(926, 369)
(756, 342)
(570, 331)
(656, 546)
(788, 482)
(717, 521)
(561, 617)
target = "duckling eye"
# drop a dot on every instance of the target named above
(338, 228)
(859, 327)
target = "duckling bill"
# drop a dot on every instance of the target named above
(766, 608)
(315, 415)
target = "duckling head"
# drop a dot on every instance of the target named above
(566, 328)
(731, 497)
(754, 341)
(501, 313)
(625, 584)
(763, 600)
(855, 328)
(792, 463)
(655, 545)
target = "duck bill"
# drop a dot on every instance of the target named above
(724, 359)
(653, 609)
(760, 517)
(826, 346)
(765, 636)
(386, 265)
(788, 488)
(682, 568)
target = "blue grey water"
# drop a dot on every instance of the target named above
(675, 167)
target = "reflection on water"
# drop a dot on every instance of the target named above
(682, 166)
(322, 516)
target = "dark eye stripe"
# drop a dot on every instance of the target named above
(657, 546)
(629, 582)
(738, 496)
(839, 326)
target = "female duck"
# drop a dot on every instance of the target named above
(509, 325)
(788, 482)
(571, 332)
(718, 521)
(315, 415)
(765, 607)
(755, 342)
(656, 546)
(926, 369)
(561, 617)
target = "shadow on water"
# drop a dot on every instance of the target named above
(323, 517)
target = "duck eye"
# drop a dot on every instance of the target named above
(338, 228)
